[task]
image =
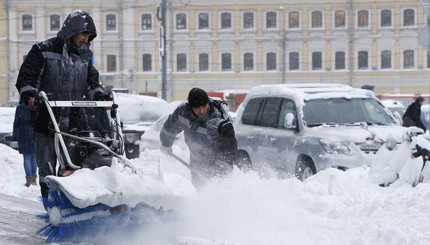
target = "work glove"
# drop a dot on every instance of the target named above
(102, 96)
(166, 150)
(27, 95)
(217, 127)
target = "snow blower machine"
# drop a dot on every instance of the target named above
(97, 189)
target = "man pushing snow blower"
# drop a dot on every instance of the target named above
(61, 66)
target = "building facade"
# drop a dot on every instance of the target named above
(220, 45)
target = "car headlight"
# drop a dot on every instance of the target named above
(334, 147)
(132, 137)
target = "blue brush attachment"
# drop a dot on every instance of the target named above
(67, 223)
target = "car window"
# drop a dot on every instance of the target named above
(344, 111)
(287, 106)
(251, 111)
(270, 114)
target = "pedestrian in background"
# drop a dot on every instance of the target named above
(412, 116)
(24, 133)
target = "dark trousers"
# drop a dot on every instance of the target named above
(46, 159)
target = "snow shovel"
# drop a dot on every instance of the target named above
(186, 164)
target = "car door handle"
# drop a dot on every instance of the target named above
(250, 137)
(272, 140)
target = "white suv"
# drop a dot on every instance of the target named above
(300, 129)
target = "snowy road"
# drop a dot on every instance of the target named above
(18, 223)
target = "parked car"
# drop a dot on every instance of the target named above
(137, 113)
(301, 129)
(394, 106)
(7, 116)
(151, 138)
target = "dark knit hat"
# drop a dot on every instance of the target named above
(197, 97)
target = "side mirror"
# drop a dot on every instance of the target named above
(289, 121)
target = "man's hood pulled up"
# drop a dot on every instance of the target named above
(77, 22)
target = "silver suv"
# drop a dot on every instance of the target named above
(300, 129)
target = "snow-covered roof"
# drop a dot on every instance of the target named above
(311, 91)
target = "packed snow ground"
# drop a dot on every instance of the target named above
(332, 207)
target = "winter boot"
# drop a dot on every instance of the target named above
(28, 180)
(34, 179)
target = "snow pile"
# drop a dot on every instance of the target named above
(331, 208)
(12, 175)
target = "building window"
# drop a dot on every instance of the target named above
(203, 62)
(181, 62)
(386, 18)
(363, 60)
(316, 60)
(408, 17)
(270, 20)
(110, 22)
(363, 18)
(225, 21)
(27, 22)
(147, 62)
(316, 19)
(340, 19)
(428, 59)
(293, 20)
(181, 21)
(226, 62)
(111, 63)
(294, 61)
(203, 21)
(271, 61)
(339, 60)
(408, 59)
(248, 20)
(386, 59)
(54, 22)
(248, 62)
(146, 22)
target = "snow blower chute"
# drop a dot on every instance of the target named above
(90, 195)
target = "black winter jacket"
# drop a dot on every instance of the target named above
(57, 67)
(414, 113)
(205, 150)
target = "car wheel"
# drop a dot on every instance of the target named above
(304, 169)
(243, 162)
